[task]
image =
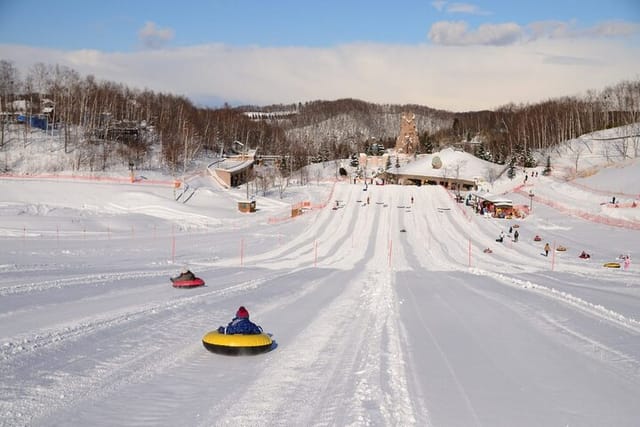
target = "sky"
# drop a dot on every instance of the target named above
(383, 313)
(450, 55)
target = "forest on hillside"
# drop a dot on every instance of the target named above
(99, 120)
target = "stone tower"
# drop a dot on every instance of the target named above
(407, 141)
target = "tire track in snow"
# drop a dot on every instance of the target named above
(367, 348)
(19, 345)
(443, 356)
(596, 310)
(84, 280)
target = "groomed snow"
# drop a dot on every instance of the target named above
(386, 313)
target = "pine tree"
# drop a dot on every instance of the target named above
(529, 161)
(511, 173)
(547, 169)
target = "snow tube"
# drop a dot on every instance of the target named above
(236, 344)
(537, 238)
(561, 249)
(188, 283)
(612, 265)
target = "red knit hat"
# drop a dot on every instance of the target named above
(242, 313)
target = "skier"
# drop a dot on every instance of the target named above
(547, 248)
(241, 324)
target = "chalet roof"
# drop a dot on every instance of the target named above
(455, 165)
(496, 199)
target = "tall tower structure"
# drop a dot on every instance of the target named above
(407, 141)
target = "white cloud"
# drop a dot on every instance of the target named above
(438, 4)
(466, 8)
(615, 29)
(561, 29)
(153, 37)
(472, 9)
(458, 34)
(457, 78)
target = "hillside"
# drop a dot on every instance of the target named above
(387, 310)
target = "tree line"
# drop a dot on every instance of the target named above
(102, 119)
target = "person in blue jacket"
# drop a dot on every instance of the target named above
(241, 324)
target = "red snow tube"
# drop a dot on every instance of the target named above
(188, 283)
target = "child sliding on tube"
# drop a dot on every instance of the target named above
(241, 324)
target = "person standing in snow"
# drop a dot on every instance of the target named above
(515, 236)
(547, 248)
(241, 324)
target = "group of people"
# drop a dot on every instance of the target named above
(501, 237)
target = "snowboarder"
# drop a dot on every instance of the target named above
(515, 236)
(547, 248)
(241, 324)
(185, 275)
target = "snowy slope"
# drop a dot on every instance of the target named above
(387, 313)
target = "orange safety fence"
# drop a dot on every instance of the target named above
(300, 206)
(616, 222)
(109, 179)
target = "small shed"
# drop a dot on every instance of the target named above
(247, 206)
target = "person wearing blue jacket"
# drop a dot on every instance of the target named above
(241, 324)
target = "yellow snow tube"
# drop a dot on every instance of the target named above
(216, 342)
(612, 265)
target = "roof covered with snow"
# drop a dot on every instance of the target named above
(455, 164)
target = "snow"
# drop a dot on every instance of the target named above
(372, 325)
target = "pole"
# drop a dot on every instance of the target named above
(173, 249)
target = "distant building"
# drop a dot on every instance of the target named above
(407, 141)
(456, 170)
(234, 171)
(269, 115)
(21, 105)
(47, 106)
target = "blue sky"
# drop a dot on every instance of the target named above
(261, 40)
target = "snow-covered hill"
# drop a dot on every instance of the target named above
(383, 313)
